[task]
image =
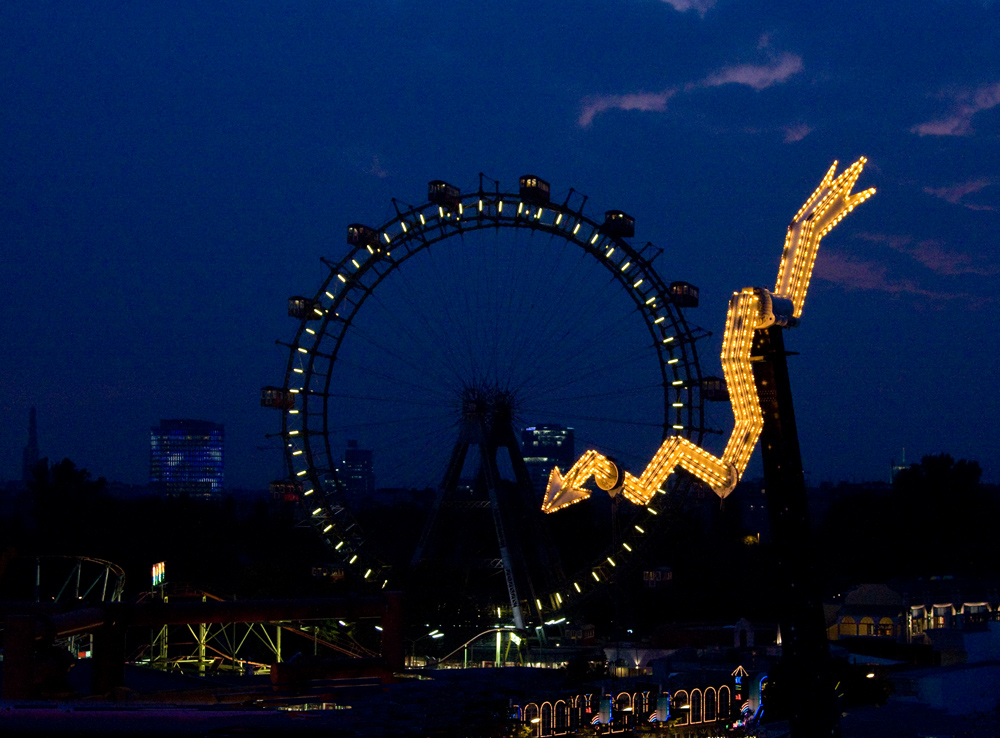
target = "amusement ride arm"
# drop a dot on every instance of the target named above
(751, 309)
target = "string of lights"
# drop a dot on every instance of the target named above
(750, 310)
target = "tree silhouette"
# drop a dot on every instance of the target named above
(937, 519)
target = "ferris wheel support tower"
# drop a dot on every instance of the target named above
(487, 423)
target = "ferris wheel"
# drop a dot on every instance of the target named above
(466, 298)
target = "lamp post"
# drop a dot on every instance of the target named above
(433, 635)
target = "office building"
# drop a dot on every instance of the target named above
(357, 471)
(186, 457)
(546, 446)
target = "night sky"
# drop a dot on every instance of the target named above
(170, 173)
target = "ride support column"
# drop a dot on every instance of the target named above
(805, 676)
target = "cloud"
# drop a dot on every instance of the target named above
(967, 104)
(858, 274)
(376, 170)
(894, 242)
(648, 101)
(757, 76)
(933, 255)
(682, 6)
(955, 193)
(853, 273)
(797, 133)
(363, 159)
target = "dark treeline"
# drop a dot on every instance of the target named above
(222, 546)
(261, 549)
(937, 519)
(720, 572)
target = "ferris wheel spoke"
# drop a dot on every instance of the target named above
(424, 446)
(583, 377)
(517, 296)
(615, 421)
(384, 423)
(541, 304)
(418, 369)
(430, 389)
(545, 343)
(463, 308)
(599, 321)
(596, 315)
(413, 306)
(628, 391)
(383, 398)
(623, 455)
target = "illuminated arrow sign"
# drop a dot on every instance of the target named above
(750, 310)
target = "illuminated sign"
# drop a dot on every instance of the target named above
(159, 573)
(750, 310)
(334, 573)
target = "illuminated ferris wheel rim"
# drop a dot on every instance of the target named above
(376, 253)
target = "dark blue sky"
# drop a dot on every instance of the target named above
(171, 172)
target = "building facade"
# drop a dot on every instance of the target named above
(186, 457)
(357, 471)
(911, 610)
(545, 447)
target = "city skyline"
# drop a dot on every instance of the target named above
(364, 465)
(173, 177)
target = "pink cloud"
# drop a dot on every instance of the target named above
(898, 243)
(682, 6)
(364, 160)
(757, 76)
(955, 193)
(376, 170)
(933, 255)
(797, 133)
(857, 274)
(647, 101)
(959, 123)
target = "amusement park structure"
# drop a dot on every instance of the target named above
(756, 383)
(756, 373)
(752, 310)
(313, 401)
(487, 423)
